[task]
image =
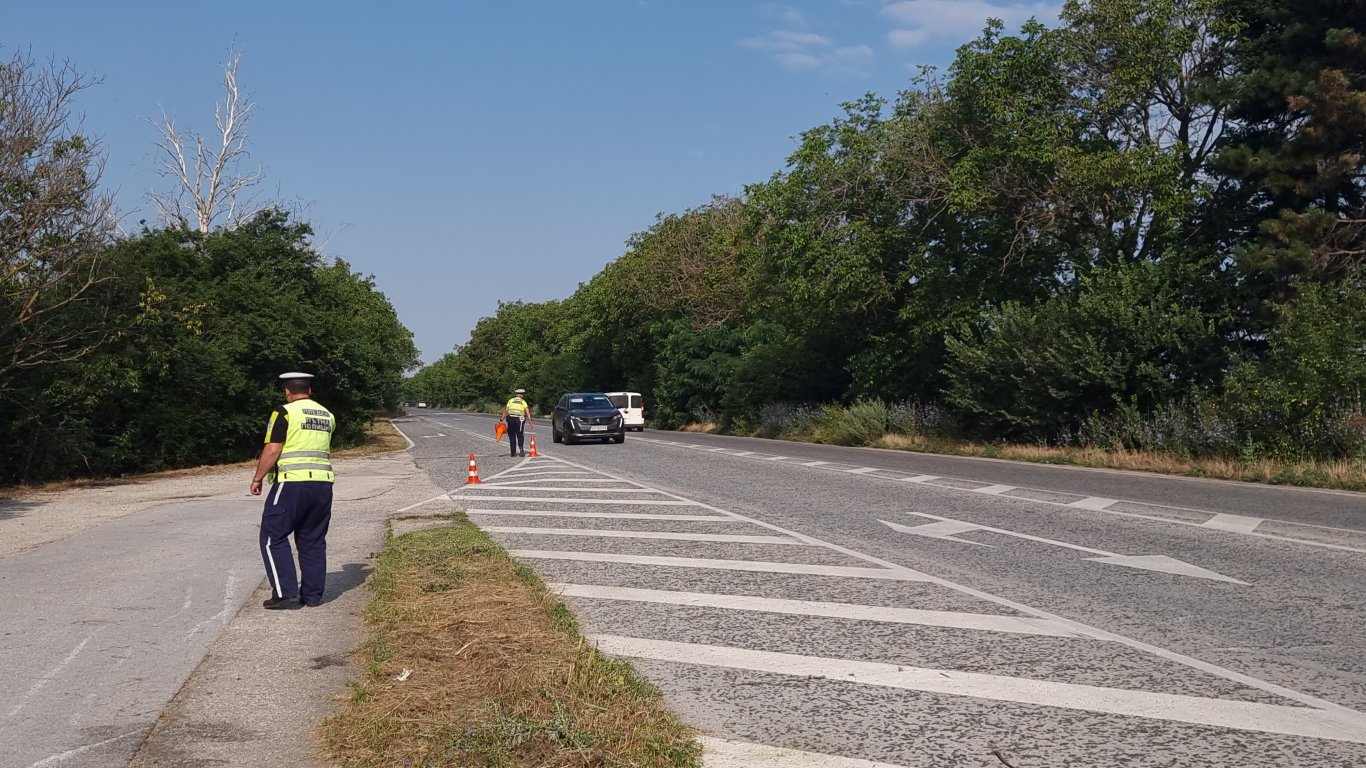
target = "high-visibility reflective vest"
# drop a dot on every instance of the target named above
(307, 452)
(517, 407)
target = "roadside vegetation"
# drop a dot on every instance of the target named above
(472, 662)
(1188, 447)
(133, 352)
(379, 437)
(1138, 236)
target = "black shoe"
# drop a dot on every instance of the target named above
(281, 603)
(310, 605)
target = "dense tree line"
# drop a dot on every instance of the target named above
(123, 353)
(1144, 227)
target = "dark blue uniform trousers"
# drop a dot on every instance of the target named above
(516, 433)
(302, 509)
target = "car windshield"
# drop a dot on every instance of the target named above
(578, 402)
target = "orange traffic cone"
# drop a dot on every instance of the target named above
(474, 472)
(532, 453)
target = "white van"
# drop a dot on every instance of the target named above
(632, 407)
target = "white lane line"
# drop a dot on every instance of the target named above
(420, 503)
(52, 673)
(226, 613)
(775, 458)
(557, 500)
(946, 529)
(861, 470)
(1234, 523)
(602, 533)
(496, 486)
(403, 434)
(994, 489)
(1020, 625)
(722, 753)
(603, 515)
(1222, 713)
(885, 574)
(1101, 504)
(60, 758)
(741, 453)
(513, 483)
(1257, 534)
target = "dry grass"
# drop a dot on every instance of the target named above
(382, 437)
(499, 675)
(702, 426)
(55, 486)
(1343, 474)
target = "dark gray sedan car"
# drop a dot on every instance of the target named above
(586, 415)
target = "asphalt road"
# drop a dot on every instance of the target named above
(818, 606)
(101, 625)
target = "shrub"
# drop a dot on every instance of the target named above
(1193, 430)
(918, 419)
(860, 423)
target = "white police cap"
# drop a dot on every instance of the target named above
(519, 391)
(295, 375)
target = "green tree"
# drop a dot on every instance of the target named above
(1295, 154)
(54, 222)
(1127, 336)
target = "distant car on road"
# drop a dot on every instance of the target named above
(632, 408)
(421, 405)
(581, 415)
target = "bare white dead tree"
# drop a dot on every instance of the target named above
(209, 185)
(55, 224)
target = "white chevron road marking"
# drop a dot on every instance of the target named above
(1224, 713)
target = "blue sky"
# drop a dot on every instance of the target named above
(467, 153)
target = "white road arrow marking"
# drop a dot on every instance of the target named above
(1164, 564)
(947, 528)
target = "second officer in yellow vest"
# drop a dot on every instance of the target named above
(297, 459)
(517, 416)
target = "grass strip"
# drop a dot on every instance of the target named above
(473, 662)
(1332, 474)
(381, 437)
(1338, 474)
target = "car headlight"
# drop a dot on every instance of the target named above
(576, 422)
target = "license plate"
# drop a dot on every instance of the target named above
(597, 429)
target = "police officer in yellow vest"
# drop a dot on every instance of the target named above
(297, 460)
(517, 416)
